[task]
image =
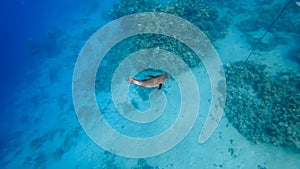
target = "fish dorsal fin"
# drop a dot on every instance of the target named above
(151, 76)
(159, 86)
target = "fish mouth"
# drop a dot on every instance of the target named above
(167, 76)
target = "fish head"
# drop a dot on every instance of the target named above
(165, 77)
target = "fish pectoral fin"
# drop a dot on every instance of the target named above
(151, 76)
(159, 86)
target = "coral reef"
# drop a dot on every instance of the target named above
(108, 161)
(142, 164)
(69, 141)
(40, 161)
(38, 144)
(233, 152)
(49, 46)
(294, 55)
(260, 20)
(136, 43)
(264, 108)
(39, 141)
(196, 11)
(58, 153)
(127, 7)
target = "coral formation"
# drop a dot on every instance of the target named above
(136, 43)
(69, 141)
(294, 55)
(40, 161)
(196, 11)
(39, 141)
(127, 7)
(264, 108)
(49, 46)
(261, 19)
(58, 153)
(142, 164)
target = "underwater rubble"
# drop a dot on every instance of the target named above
(264, 108)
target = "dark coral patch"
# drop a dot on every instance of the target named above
(264, 108)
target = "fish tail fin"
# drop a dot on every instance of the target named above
(131, 80)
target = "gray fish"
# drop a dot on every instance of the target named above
(152, 82)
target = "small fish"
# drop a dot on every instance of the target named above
(298, 3)
(153, 81)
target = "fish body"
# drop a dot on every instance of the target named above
(153, 81)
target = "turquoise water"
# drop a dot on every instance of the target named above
(41, 126)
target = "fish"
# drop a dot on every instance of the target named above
(153, 81)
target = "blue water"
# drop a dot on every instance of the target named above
(26, 25)
(40, 42)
